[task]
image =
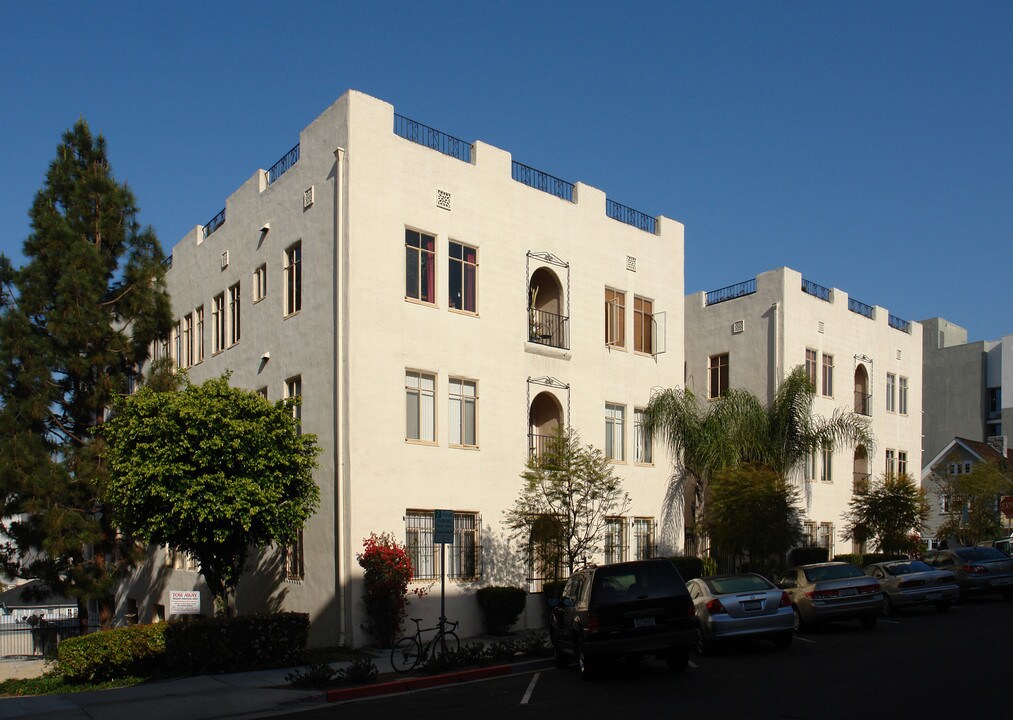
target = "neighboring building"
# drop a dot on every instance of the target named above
(440, 309)
(967, 387)
(957, 457)
(859, 357)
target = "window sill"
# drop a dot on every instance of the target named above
(260, 300)
(291, 314)
(617, 348)
(423, 303)
(547, 351)
(429, 443)
(463, 447)
(466, 313)
(643, 464)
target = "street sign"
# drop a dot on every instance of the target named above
(443, 527)
(1006, 505)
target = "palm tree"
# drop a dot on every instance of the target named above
(737, 428)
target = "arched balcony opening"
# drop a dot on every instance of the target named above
(861, 473)
(863, 396)
(548, 323)
(545, 418)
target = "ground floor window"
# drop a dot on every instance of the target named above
(463, 557)
(644, 545)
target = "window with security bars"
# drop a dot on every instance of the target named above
(463, 557)
(615, 539)
(644, 530)
(825, 539)
(809, 533)
(295, 567)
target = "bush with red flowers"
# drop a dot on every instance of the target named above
(387, 572)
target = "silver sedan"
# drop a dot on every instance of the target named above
(741, 606)
(912, 582)
(832, 591)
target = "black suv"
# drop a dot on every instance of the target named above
(629, 609)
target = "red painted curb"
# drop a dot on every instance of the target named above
(415, 683)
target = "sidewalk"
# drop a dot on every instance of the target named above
(210, 697)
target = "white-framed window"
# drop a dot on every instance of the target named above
(295, 564)
(825, 539)
(643, 325)
(809, 533)
(891, 466)
(420, 266)
(902, 399)
(262, 391)
(811, 366)
(901, 462)
(615, 539)
(811, 463)
(643, 440)
(615, 318)
(218, 335)
(615, 432)
(178, 560)
(420, 401)
(463, 277)
(718, 376)
(828, 375)
(293, 390)
(891, 390)
(260, 283)
(188, 340)
(643, 538)
(293, 279)
(177, 343)
(827, 466)
(235, 324)
(463, 412)
(944, 503)
(199, 339)
(463, 557)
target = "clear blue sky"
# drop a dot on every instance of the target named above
(868, 145)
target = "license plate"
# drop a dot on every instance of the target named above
(643, 622)
(752, 606)
(848, 592)
(933, 596)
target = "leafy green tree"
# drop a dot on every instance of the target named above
(76, 323)
(737, 428)
(888, 513)
(210, 471)
(972, 515)
(569, 493)
(755, 510)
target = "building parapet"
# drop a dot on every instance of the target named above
(861, 308)
(900, 324)
(432, 138)
(823, 293)
(731, 292)
(542, 181)
(625, 214)
(282, 166)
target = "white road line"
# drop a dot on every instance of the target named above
(799, 637)
(531, 689)
(891, 622)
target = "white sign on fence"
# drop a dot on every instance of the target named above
(184, 602)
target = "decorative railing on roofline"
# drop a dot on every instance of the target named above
(861, 308)
(542, 181)
(216, 222)
(432, 138)
(622, 213)
(823, 293)
(731, 292)
(900, 324)
(282, 166)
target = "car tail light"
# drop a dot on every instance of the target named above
(868, 589)
(593, 624)
(975, 569)
(785, 600)
(714, 607)
(821, 594)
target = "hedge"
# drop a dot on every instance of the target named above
(867, 559)
(136, 651)
(501, 606)
(690, 567)
(238, 644)
(807, 555)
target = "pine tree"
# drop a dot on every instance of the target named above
(76, 322)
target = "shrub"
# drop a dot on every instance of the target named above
(870, 558)
(553, 590)
(136, 651)
(387, 572)
(807, 555)
(501, 606)
(317, 675)
(236, 644)
(853, 558)
(362, 671)
(690, 567)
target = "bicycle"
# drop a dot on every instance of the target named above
(410, 650)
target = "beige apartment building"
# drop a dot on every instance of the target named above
(440, 308)
(859, 357)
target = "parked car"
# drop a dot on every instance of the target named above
(978, 570)
(1003, 545)
(911, 582)
(629, 609)
(741, 606)
(831, 591)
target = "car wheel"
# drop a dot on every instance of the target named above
(888, 609)
(943, 606)
(587, 667)
(562, 661)
(705, 644)
(868, 621)
(783, 641)
(798, 618)
(677, 658)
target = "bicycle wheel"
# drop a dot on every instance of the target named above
(405, 654)
(453, 645)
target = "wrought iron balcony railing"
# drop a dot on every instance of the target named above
(861, 308)
(282, 166)
(624, 214)
(900, 324)
(863, 403)
(860, 483)
(545, 328)
(542, 181)
(216, 222)
(731, 292)
(823, 293)
(432, 138)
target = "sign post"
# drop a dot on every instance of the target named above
(443, 533)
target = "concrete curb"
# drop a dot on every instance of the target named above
(425, 682)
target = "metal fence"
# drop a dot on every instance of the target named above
(20, 640)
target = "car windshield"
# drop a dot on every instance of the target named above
(737, 584)
(904, 568)
(980, 553)
(831, 572)
(634, 581)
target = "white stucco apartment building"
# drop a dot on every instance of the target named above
(439, 308)
(860, 357)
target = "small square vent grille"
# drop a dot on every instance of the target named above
(225, 259)
(898, 354)
(820, 326)
(738, 326)
(443, 199)
(631, 263)
(307, 197)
